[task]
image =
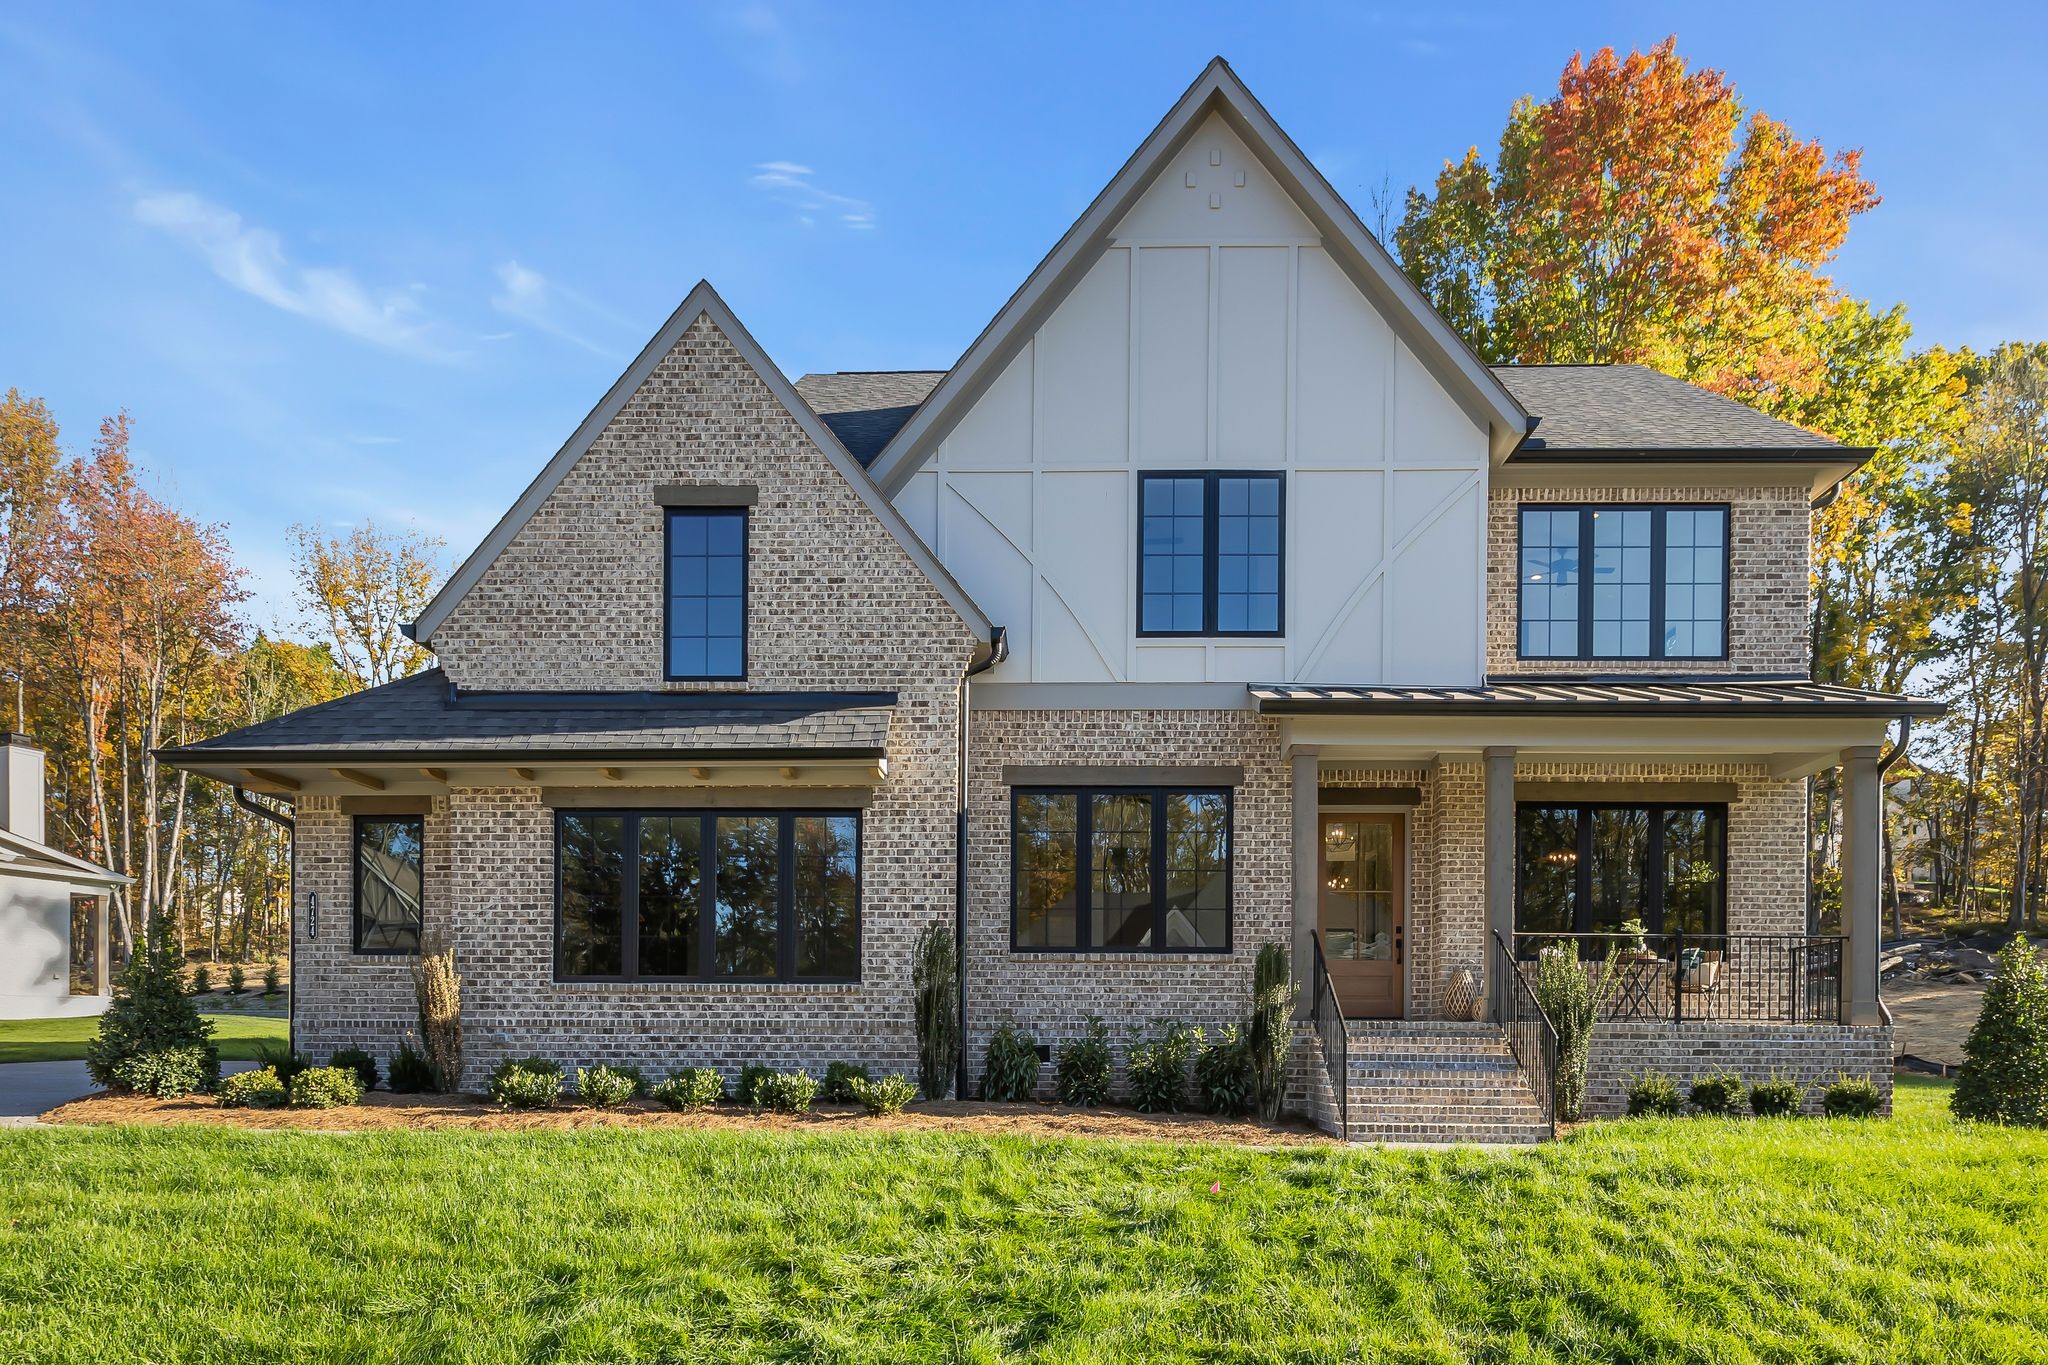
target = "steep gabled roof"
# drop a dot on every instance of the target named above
(865, 408)
(703, 301)
(1217, 90)
(1613, 408)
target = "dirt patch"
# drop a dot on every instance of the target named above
(381, 1110)
(1930, 1019)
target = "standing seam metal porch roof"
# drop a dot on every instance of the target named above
(1672, 698)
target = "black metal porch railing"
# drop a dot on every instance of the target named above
(1328, 1018)
(1709, 978)
(1532, 1038)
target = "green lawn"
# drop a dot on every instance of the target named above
(1692, 1240)
(63, 1040)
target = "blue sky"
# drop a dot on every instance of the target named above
(378, 261)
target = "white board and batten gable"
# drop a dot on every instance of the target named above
(1213, 323)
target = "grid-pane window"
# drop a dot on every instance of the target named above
(1695, 582)
(1120, 870)
(1210, 554)
(1247, 555)
(1550, 583)
(1174, 552)
(1589, 868)
(707, 592)
(389, 869)
(1623, 582)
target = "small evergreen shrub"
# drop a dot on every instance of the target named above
(273, 979)
(358, 1061)
(604, 1087)
(282, 1060)
(326, 1087)
(526, 1083)
(168, 1074)
(1777, 1098)
(150, 1014)
(1225, 1079)
(1158, 1066)
(237, 983)
(1721, 1095)
(1084, 1066)
(631, 1073)
(1270, 1033)
(410, 1073)
(748, 1091)
(1852, 1097)
(202, 980)
(1010, 1066)
(887, 1096)
(1653, 1095)
(786, 1092)
(2004, 1076)
(1572, 994)
(839, 1079)
(935, 993)
(698, 1087)
(259, 1089)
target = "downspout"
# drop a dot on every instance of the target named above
(1884, 764)
(291, 893)
(998, 650)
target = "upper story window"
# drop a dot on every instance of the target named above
(1209, 554)
(389, 860)
(707, 593)
(1616, 581)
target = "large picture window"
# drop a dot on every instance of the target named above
(707, 896)
(1210, 556)
(1586, 869)
(389, 876)
(1623, 582)
(1120, 870)
(707, 593)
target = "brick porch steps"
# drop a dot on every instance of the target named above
(1437, 1082)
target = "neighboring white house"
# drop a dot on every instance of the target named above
(53, 907)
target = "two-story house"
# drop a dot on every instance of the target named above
(1218, 596)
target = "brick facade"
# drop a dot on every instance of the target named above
(1812, 1055)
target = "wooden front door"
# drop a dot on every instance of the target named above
(1362, 916)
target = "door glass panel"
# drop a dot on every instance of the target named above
(1358, 890)
(1120, 869)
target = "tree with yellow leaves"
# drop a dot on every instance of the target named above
(359, 589)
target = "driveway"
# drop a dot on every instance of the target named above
(30, 1088)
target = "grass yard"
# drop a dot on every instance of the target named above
(1680, 1239)
(64, 1040)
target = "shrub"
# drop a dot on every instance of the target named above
(174, 1071)
(437, 989)
(1721, 1094)
(202, 980)
(1011, 1066)
(786, 1092)
(259, 1089)
(526, 1083)
(698, 1087)
(839, 1079)
(2004, 1077)
(273, 979)
(1777, 1098)
(631, 1073)
(748, 1091)
(325, 1087)
(358, 1061)
(237, 983)
(1572, 999)
(1270, 1034)
(604, 1087)
(1159, 1066)
(282, 1060)
(1084, 1066)
(935, 987)
(150, 1013)
(886, 1096)
(1225, 1080)
(1852, 1097)
(1653, 1095)
(410, 1073)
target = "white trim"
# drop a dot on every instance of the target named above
(33, 858)
(703, 301)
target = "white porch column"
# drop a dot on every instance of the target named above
(1861, 844)
(1307, 779)
(1500, 859)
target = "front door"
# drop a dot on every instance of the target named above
(1362, 914)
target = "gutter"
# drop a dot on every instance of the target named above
(999, 650)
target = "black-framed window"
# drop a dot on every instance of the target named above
(1587, 868)
(1120, 869)
(1623, 581)
(707, 594)
(390, 877)
(707, 895)
(1210, 554)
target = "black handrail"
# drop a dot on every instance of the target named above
(1328, 1017)
(1532, 1038)
(1681, 978)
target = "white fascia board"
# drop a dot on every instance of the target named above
(702, 301)
(1351, 244)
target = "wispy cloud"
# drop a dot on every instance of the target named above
(766, 43)
(532, 298)
(252, 259)
(792, 184)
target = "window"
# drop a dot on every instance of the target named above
(1120, 870)
(1585, 869)
(1209, 554)
(704, 896)
(707, 593)
(1656, 586)
(389, 862)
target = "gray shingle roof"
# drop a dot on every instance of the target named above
(1631, 407)
(865, 408)
(1606, 696)
(423, 715)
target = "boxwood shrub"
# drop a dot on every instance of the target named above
(604, 1087)
(1721, 1094)
(1777, 1098)
(1851, 1097)
(698, 1087)
(1653, 1095)
(786, 1092)
(886, 1096)
(526, 1083)
(839, 1079)
(358, 1061)
(169, 1073)
(326, 1087)
(259, 1089)
(748, 1091)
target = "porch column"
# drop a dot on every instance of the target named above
(1861, 845)
(1302, 959)
(1500, 860)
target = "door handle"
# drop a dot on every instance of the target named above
(1400, 945)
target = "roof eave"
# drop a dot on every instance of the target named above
(191, 759)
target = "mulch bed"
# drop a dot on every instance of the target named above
(381, 1110)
